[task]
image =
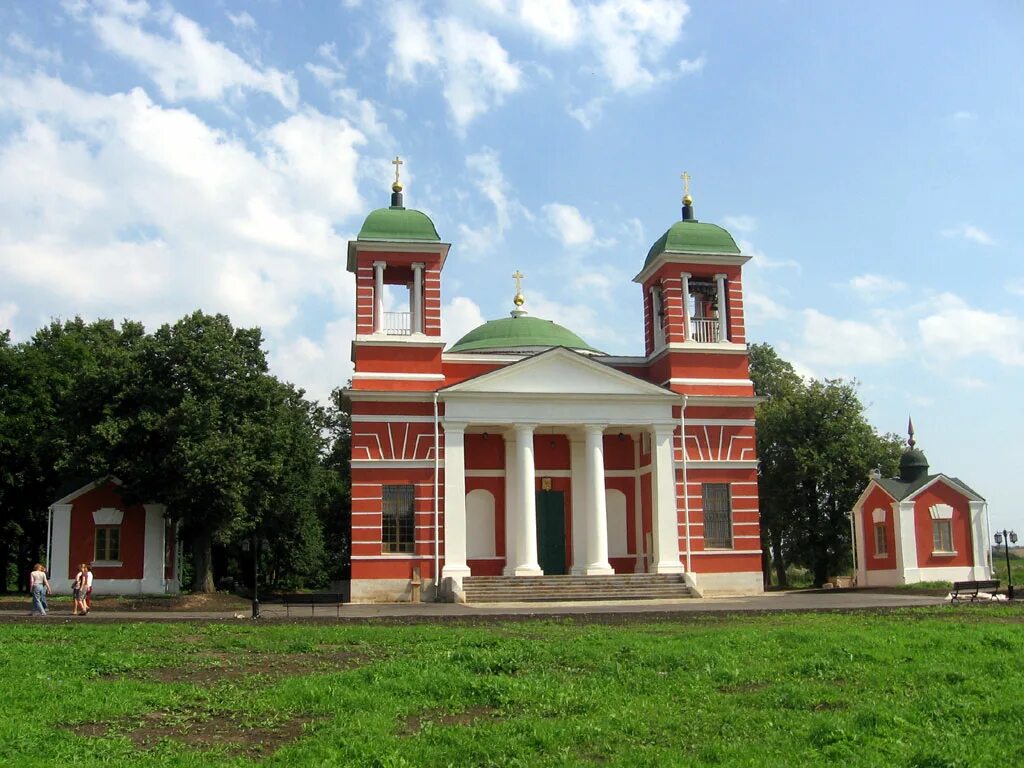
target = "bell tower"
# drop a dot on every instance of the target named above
(397, 259)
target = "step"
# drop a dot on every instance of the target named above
(639, 586)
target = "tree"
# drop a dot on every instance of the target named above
(336, 488)
(816, 449)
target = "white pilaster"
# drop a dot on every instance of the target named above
(641, 554)
(663, 487)
(906, 542)
(60, 553)
(512, 507)
(723, 319)
(526, 528)
(597, 513)
(859, 548)
(656, 325)
(417, 298)
(578, 492)
(455, 566)
(378, 296)
(685, 281)
(979, 540)
(153, 551)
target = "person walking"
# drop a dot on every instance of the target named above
(39, 585)
(81, 589)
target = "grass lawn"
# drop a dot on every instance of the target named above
(923, 687)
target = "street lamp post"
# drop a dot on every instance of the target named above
(1005, 539)
(255, 548)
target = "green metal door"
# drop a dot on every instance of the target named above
(551, 531)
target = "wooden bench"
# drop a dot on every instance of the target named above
(313, 599)
(972, 588)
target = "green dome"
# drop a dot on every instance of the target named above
(396, 223)
(518, 332)
(692, 236)
(913, 465)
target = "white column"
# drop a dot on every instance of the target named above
(722, 315)
(663, 487)
(979, 539)
(378, 296)
(906, 542)
(525, 482)
(512, 554)
(685, 284)
(578, 491)
(860, 544)
(455, 566)
(638, 510)
(153, 550)
(417, 298)
(597, 513)
(60, 553)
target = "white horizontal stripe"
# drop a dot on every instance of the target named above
(720, 422)
(714, 382)
(392, 464)
(727, 552)
(399, 376)
(391, 419)
(693, 464)
(393, 556)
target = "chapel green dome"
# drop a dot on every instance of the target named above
(692, 236)
(398, 223)
(520, 332)
(913, 465)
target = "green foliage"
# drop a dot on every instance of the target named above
(816, 449)
(787, 690)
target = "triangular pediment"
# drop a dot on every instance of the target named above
(560, 372)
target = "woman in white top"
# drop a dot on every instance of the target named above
(39, 585)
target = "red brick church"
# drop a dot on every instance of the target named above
(523, 452)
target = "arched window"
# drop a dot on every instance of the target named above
(479, 524)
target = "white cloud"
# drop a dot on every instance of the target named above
(744, 224)
(242, 20)
(557, 22)
(318, 366)
(1017, 287)
(833, 342)
(597, 286)
(760, 261)
(184, 63)
(875, 286)
(629, 36)
(969, 232)
(692, 66)
(114, 206)
(583, 319)
(587, 114)
(569, 225)
(458, 317)
(485, 169)
(24, 46)
(8, 309)
(963, 116)
(475, 69)
(955, 331)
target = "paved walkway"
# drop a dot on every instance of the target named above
(598, 610)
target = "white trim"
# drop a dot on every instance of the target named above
(391, 419)
(723, 464)
(382, 376)
(86, 488)
(878, 516)
(484, 473)
(107, 516)
(384, 340)
(709, 383)
(732, 401)
(375, 395)
(393, 464)
(710, 348)
(936, 553)
(948, 481)
(105, 564)
(941, 512)
(727, 552)
(721, 422)
(389, 556)
(679, 257)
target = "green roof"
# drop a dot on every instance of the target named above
(517, 332)
(397, 223)
(692, 236)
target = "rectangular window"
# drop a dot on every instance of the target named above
(398, 526)
(108, 543)
(942, 535)
(717, 516)
(881, 545)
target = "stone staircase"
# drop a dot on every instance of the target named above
(532, 589)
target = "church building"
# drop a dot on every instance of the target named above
(920, 527)
(522, 462)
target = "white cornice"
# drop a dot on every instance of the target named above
(716, 400)
(388, 376)
(673, 257)
(373, 395)
(384, 340)
(387, 246)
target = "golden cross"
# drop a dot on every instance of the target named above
(396, 162)
(686, 183)
(518, 300)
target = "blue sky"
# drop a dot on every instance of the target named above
(156, 158)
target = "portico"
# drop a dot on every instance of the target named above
(564, 395)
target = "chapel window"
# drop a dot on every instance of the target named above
(881, 545)
(717, 516)
(108, 543)
(942, 535)
(398, 520)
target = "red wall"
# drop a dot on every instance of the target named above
(879, 498)
(83, 534)
(963, 542)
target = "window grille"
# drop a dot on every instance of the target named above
(398, 520)
(717, 516)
